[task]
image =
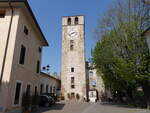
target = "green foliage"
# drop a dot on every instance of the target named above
(122, 53)
(55, 74)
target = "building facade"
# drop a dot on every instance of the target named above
(73, 77)
(146, 33)
(21, 47)
(95, 82)
(49, 84)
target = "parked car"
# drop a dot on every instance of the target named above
(52, 99)
(45, 100)
(51, 95)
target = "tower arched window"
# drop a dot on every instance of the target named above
(71, 45)
(76, 20)
(69, 21)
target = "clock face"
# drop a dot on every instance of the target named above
(73, 33)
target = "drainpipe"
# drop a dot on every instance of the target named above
(7, 42)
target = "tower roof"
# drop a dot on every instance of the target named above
(73, 16)
(72, 19)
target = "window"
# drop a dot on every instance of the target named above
(35, 92)
(51, 89)
(91, 73)
(17, 93)
(54, 90)
(76, 20)
(69, 21)
(71, 45)
(72, 82)
(72, 69)
(26, 31)
(46, 88)
(28, 90)
(38, 66)
(2, 14)
(22, 55)
(40, 49)
(71, 42)
(93, 83)
(72, 95)
(41, 88)
(72, 86)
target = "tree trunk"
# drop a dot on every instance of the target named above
(130, 95)
(120, 96)
(146, 90)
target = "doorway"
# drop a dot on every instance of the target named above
(72, 96)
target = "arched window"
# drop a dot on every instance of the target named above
(76, 20)
(51, 89)
(71, 45)
(54, 90)
(41, 89)
(69, 21)
(93, 83)
(91, 73)
(46, 88)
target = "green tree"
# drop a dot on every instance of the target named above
(55, 74)
(122, 53)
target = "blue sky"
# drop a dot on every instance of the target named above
(49, 13)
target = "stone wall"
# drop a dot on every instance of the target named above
(73, 59)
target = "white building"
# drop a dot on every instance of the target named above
(49, 84)
(21, 43)
(96, 83)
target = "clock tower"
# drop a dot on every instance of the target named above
(73, 73)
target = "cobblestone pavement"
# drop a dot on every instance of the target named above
(74, 107)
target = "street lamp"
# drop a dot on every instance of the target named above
(46, 68)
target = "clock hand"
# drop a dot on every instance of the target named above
(69, 34)
(72, 33)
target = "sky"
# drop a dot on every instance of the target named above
(49, 16)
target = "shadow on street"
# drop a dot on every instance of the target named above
(118, 105)
(57, 106)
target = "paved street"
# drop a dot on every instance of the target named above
(72, 107)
